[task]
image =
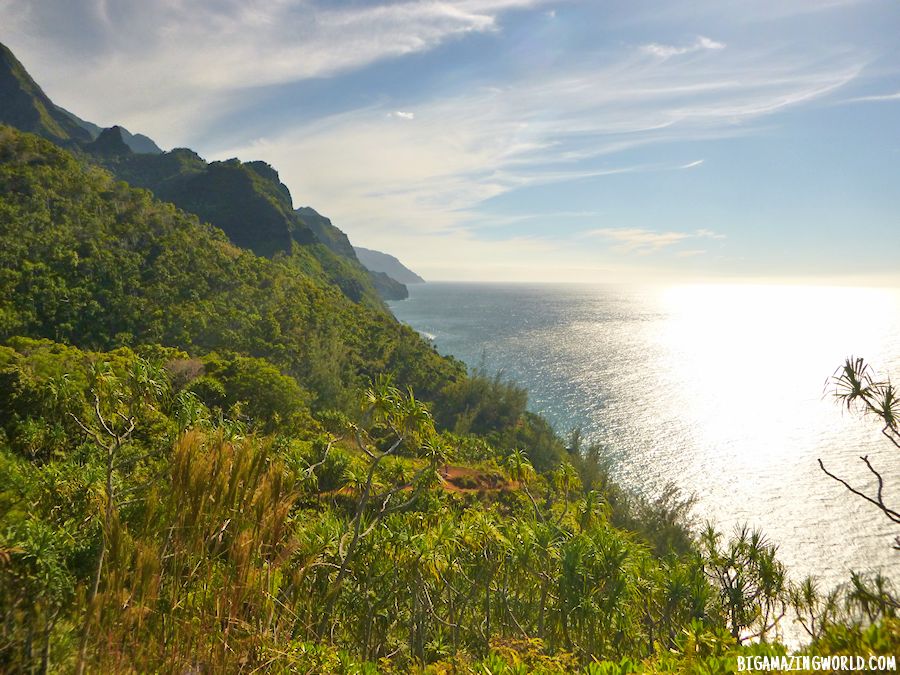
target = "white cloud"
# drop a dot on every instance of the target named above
(639, 241)
(403, 115)
(634, 240)
(390, 184)
(691, 165)
(702, 43)
(173, 64)
(874, 99)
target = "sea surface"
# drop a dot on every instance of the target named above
(721, 389)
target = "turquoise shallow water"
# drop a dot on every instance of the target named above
(718, 388)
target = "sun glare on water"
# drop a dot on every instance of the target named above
(721, 389)
(746, 368)
(752, 361)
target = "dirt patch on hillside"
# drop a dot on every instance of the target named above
(465, 479)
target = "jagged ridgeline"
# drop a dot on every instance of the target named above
(245, 199)
(251, 205)
(26, 106)
(91, 261)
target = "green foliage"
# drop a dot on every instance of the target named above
(251, 389)
(220, 465)
(340, 551)
(481, 404)
(856, 386)
(663, 521)
(751, 583)
(88, 261)
(218, 539)
(492, 407)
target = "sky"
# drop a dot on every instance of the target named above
(523, 140)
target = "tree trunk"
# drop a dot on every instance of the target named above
(95, 586)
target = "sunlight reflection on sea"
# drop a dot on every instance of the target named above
(720, 389)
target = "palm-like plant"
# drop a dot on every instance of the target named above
(751, 582)
(856, 386)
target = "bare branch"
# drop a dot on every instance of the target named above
(100, 417)
(890, 513)
(310, 470)
(891, 434)
(89, 432)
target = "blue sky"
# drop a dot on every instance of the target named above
(524, 139)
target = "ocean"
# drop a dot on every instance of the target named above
(719, 389)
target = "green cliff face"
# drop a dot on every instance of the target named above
(326, 232)
(338, 242)
(93, 262)
(246, 200)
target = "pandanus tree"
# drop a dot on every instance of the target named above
(398, 423)
(750, 581)
(856, 386)
(244, 550)
(521, 470)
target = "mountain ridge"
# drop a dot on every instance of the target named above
(337, 240)
(376, 261)
(27, 107)
(246, 200)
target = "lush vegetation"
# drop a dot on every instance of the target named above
(146, 530)
(93, 262)
(212, 461)
(245, 200)
(251, 205)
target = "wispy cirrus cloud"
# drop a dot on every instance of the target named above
(875, 98)
(639, 241)
(708, 234)
(663, 51)
(172, 63)
(383, 181)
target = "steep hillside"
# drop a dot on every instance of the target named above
(247, 201)
(326, 232)
(388, 287)
(24, 105)
(90, 261)
(338, 242)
